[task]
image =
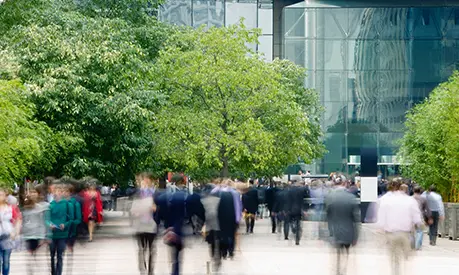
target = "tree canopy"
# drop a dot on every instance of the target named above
(88, 67)
(228, 112)
(430, 146)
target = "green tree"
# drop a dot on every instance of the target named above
(230, 112)
(22, 139)
(430, 147)
(88, 66)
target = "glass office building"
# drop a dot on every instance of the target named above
(371, 61)
(219, 13)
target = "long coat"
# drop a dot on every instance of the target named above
(87, 201)
(343, 216)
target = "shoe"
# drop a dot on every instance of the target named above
(286, 239)
(297, 243)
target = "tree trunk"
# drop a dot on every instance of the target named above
(224, 173)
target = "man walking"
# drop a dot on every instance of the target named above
(435, 204)
(397, 216)
(343, 222)
(270, 198)
(426, 216)
(295, 201)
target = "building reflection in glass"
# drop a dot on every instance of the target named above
(370, 66)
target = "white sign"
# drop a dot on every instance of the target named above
(368, 189)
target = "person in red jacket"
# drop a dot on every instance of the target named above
(92, 209)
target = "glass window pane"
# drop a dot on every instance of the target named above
(427, 60)
(295, 22)
(335, 86)
(236, 11)
(366, 86)
(177, 12)
(265, 21)
(332, 23)
(209, 13)
(335, 116)
(331, 54)
(266, 46)
(388, 143)
(395, 55)
(337, 149)
(394, 85)
(294, 51)
(363, 117)
(363, 55)
(355, 141)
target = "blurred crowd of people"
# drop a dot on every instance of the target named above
(51, 215)
(59, 212)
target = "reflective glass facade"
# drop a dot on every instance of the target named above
(257, 14)
(370, 66)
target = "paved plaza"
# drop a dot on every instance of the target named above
(262, 253)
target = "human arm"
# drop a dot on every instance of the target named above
(70, 217)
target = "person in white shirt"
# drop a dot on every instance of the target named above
(398, 215)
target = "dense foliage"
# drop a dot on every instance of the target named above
(430, 146)
(228, 112)
(88, 66)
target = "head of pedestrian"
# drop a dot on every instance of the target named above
(432, 188)
(418, 190)
(58, 191)
(147, 180)
(3, 196)
(404, 188)
(31, 199)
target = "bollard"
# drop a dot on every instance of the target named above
(208, 268)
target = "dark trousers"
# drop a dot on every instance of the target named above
(433, 228)
(176, 249)
(146, 252)
(214, 244)
(57, 245)
(113, 204)
(250, 223)
(227, 246)
(293, 221)
(273, 222)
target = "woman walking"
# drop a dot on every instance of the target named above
(10, 225)
(34, 230)
(92, 209)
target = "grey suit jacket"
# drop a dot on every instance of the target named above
(343, 216)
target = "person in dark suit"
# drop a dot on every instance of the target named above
(295, 202)
(270, 198)
(343, 221)
(250, 203)
(280, 210)
(176, 213)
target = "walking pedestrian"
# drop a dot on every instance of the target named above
(10, 225)
(250, 202)
(435, 203)
(92, 209)
(398, 214)
(212, 227)
(143, 209)
(295, 201)
(229, 216)
(426, 216)
(270, 198)
(174, 237)
(61, 218)
(34, 230)
(343, 222)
